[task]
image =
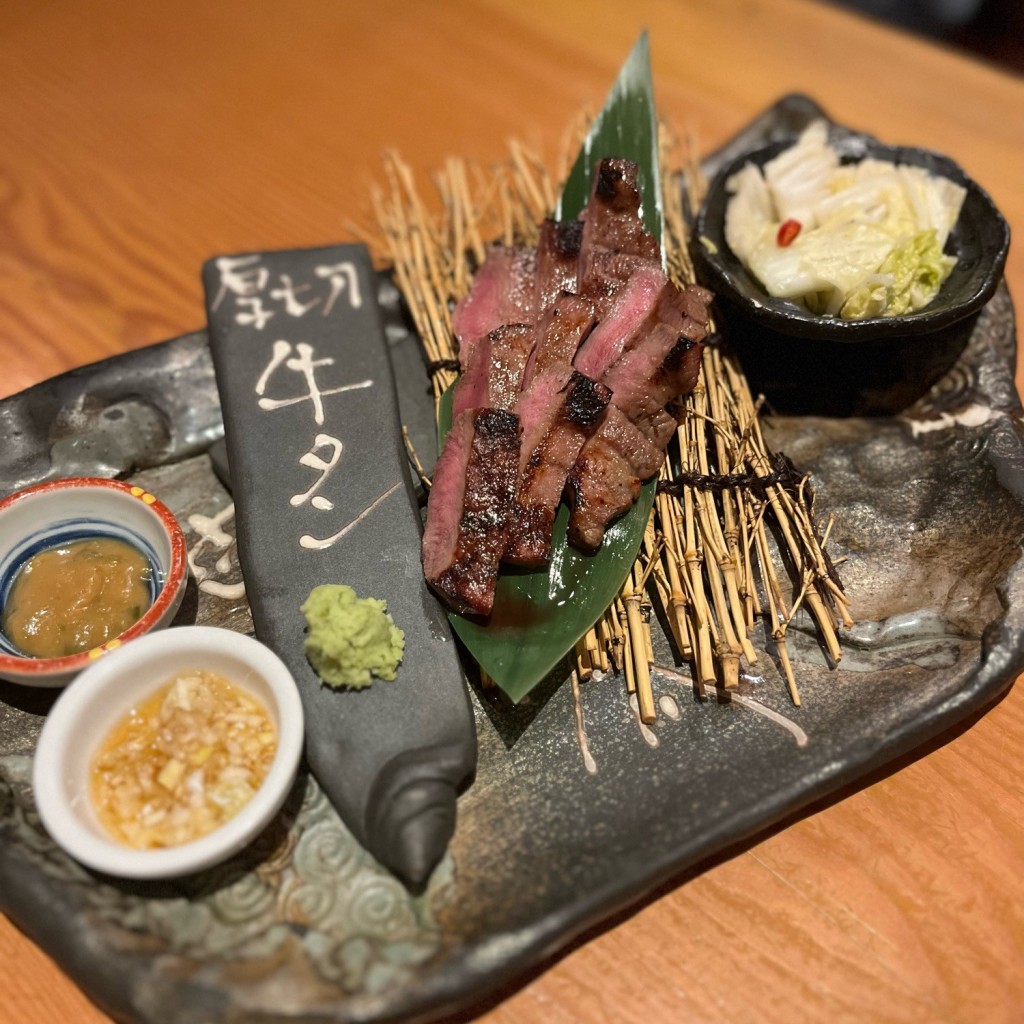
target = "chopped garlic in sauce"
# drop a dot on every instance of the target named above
(182, 763)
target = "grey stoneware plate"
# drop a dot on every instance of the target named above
(566, 825)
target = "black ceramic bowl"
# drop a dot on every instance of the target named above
(979, 241)
(880, 364)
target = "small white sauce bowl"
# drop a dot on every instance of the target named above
(76, 508)
(104, 693)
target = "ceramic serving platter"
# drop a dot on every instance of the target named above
(577, 811)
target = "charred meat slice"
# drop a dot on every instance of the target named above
(558, 252)
(607, 476)
(613, 212)
(600, 488)
(663, 366)
(655, 422)
(696, 301)
(661, 362)
(614, 243)
(630, 442)
(493, 376)
(503, 292)
(559, 411)
(633, 306)
(468, 510)
(558, 332)
(609, 273)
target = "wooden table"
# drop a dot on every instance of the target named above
(137, 139)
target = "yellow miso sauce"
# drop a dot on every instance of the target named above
(77, 595)
(183, 762)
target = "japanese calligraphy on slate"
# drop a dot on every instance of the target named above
(323, 495)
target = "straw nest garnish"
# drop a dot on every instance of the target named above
(732, 537)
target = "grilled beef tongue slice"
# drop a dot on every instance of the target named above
(634, 305)
(614, 244)
(559, 411)
(493, 376)
(661, 366)
(612, 219)
(503, 292)
(322, 495)
(606, 479)
(469, 507)
(659, 361)
(558, 251)
(558, 332)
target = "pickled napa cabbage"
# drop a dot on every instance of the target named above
(871, 234)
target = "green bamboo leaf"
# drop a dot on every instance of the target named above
(626, 127)
(540, 614)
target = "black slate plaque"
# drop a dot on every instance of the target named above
(323, 495)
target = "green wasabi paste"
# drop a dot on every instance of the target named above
(350, 639)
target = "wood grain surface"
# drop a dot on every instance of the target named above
(138, 139)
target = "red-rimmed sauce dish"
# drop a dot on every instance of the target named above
(63, 511)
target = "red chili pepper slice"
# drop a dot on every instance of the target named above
(788, 230)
